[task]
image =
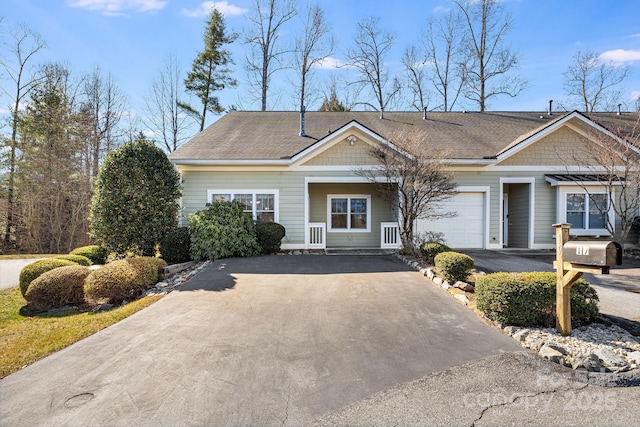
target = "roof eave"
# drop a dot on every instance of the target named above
(234, 162)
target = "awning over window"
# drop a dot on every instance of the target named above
(579, 179)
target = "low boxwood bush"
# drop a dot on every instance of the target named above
(122, 280)
(222, 230)
(78, 259)
(175, 246)
(57, 287)
(32, 271)
(97, 254)
(269, 235)
(528, 299)
(429, 250)
(454, 266)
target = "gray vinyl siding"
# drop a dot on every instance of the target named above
(290, 187)
(544, 204)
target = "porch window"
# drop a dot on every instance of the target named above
(349, 213)
(585, 211)
(261, 205)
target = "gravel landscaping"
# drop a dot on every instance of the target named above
(605, 348)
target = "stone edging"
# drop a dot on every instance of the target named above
(607, 379)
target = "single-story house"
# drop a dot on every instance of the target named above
(511, 168)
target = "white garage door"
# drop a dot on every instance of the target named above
(466, 230)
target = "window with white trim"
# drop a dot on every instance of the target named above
(587, 212)
(349, 213)
(262, 205)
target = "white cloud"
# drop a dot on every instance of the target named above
(205, 7)
(441, 9)
(635, 95)
(329, 63)
(620, 56)
(117, 7)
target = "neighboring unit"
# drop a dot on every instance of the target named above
(513, 170)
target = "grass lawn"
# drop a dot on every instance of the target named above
(25, 339)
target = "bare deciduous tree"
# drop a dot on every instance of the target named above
(367, 56)
(23, 44)
(312, 47)
(486, 24)
(169, 124)
(267, 55)
(445, 52)
(413, 179)
(104, 102)
(414, 65)
(593, 84)
(615, 160)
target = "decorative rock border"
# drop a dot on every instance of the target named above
(599, 354)
(177, 278)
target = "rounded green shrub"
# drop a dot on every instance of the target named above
(175, 246)
(222, 230)
(136, 198)
(269, 235)
(78, 259)
(429, 250)
(32, 271)
(97, 254)
(454, 266)
(57, 287)
(528, 299)
(122, 280)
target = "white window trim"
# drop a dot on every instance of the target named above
(592, 189)
(349, 197)
(276, 199)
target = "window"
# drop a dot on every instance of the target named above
(349, 213)
(584, 211)
(260, 204)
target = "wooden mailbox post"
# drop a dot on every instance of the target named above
(583, 257)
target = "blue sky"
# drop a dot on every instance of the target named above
(131, 39)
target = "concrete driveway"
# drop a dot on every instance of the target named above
(276, 340)
(619, 291)
(10, 271)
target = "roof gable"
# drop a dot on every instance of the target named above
(349, 145)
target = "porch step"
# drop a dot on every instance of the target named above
(358, 251)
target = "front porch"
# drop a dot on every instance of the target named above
(317, 237)
(347, 212)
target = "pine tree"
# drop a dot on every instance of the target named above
(210, 72)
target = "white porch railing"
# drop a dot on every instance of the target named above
(317, 235)
(389, 235)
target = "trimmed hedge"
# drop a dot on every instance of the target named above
(57, 287)
(32, 271)
(78, 259)
(269, 235)
(97, 254)
(429, 250)
(175, 246)
(122, 280)
(222, 230)
(528, 299)
(454, 266)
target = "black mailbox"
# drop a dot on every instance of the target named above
(598, 253)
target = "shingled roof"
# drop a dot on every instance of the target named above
(274, 135)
